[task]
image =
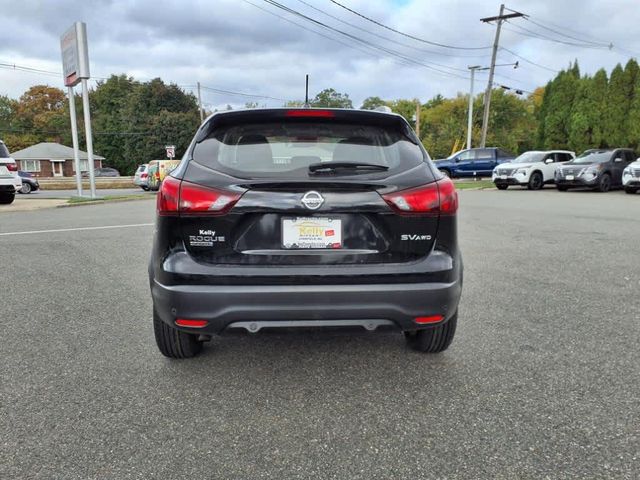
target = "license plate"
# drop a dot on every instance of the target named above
(503, 177)
(311, 232)
(570, 177)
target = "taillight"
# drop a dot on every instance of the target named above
(188, 199)
(12, 167)
(168, 196)
(143, 175)
(437, 198)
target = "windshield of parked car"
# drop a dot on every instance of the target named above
(4, 151)
(529, 157)
(599, 157)
(288, 148)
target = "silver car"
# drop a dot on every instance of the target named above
(141, 178)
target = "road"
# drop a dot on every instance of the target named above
(72, 193)
(542, 380)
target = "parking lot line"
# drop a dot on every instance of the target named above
(105, 227)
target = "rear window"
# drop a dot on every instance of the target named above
(287, 148)
(4, 151)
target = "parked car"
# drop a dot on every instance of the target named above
(531, 169)
(158, 170)
(598, 169)
(103, 172)
(631, 177)
(29, 182)
(305, 218)
(474, 162)
(141, 177)
(9, 179)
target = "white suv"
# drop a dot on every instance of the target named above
(10, 181)
(531, 169)
(631, 177)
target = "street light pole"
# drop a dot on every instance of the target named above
(470, 119)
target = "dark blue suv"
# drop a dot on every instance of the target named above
(473, 162)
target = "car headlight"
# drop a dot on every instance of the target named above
(593, 169)
(523, 171)
(627, 171)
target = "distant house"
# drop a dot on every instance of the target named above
(53, 160)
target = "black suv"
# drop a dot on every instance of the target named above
(305, 218)
(598, 169)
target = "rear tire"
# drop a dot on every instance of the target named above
(630, 190)
(7, 198)
(604, 185)
(146, 189)
(433, 340)
(535, 181)
(446, 173)
(502, 187)
(26, 188)
(172, 342)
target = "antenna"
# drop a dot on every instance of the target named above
(306, 92)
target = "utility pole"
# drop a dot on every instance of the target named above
(418, 118)
(487, 94)
(200, 104)
(470, 119)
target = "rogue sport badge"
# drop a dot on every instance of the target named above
(312, 200)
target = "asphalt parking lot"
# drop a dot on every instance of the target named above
(542, 380)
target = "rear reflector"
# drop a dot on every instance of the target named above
(437, 198)
(431, 319)
(188, 198)
(310, 113)
(183, 322)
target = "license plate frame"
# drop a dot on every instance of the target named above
(316, 237)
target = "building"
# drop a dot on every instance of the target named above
(53, 160)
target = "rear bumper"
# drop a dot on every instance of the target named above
(221, 306)
(7, 188)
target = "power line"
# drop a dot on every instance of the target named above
(388, 39)
(529, 61)
(366, 52)
(360, 40)
(240, 94)
(566, 35)
(530, 33)
(454, 47)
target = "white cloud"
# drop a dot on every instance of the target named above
(232, 45)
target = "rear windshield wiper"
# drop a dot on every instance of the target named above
(330, 167)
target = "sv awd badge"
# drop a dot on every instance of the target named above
(410, 237)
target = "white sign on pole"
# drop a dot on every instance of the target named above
(75, 66)
(171, 151)
(75, 54)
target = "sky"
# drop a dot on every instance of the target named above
(254, 47)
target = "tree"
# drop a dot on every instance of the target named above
(329, 98)
(557, 115)
(585, 129)
(633, 132)
(371, 103)
(7, 112)
(149, 108)
(616, 109)
(109, 102)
